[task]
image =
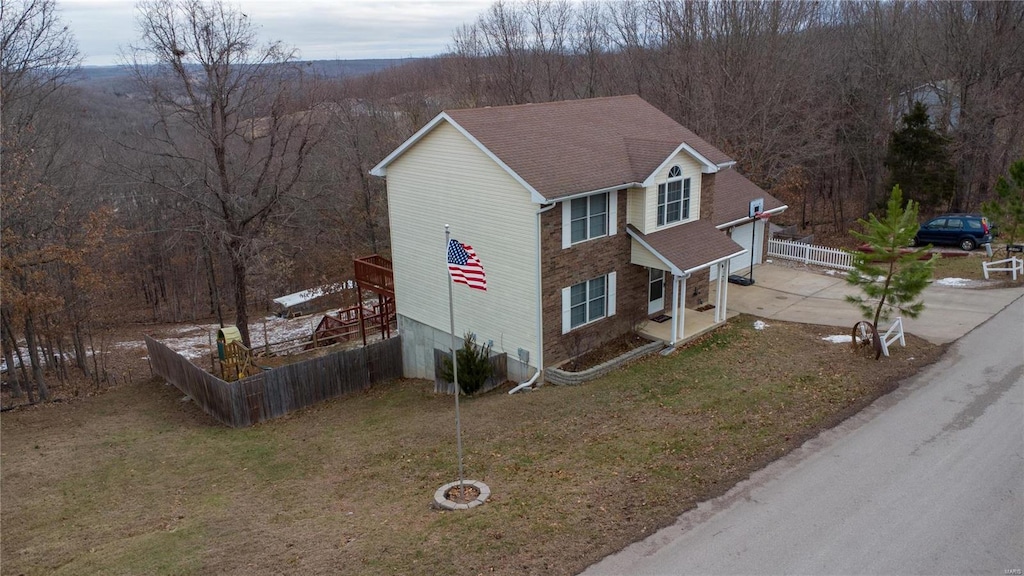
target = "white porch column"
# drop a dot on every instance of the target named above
(682, 309)
(718, 293)
(675, 307)
(724, 304)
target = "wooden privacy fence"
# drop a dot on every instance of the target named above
(810, 254)
(282, 390)
(499, 373)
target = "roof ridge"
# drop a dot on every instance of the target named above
(575, 101)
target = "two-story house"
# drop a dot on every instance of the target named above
(585, 214)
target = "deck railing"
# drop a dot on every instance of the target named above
(375, 273)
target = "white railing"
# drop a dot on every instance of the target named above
(810, 254)
(894, 333)
(1016, 266)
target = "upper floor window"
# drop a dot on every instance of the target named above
(674, 198)
(589, 217)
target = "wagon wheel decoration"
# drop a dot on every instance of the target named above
(862, 333)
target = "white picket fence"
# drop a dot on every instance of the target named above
(810, 254)
(1015, 266)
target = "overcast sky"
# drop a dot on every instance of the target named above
(320, 29)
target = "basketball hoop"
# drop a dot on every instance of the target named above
(762, 215)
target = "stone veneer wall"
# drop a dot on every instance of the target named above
(561, 268)
(700, 282)
(707, 197)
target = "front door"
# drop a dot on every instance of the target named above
(656, 293)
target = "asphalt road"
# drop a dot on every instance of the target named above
(928, 480)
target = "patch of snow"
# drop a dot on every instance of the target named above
(760, 325)
(954, 282)
(313, 293)
(195, 340)
(839, 339)
(830, 272)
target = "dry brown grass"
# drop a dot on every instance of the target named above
(136, 481)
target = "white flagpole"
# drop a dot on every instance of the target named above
(455, 358)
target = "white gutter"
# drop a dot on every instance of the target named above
(540, 328)
(713, 262)
(626, 185)
(771, 212)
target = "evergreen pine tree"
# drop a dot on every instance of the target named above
(918, 160)
(1007, 209)
(474, 365)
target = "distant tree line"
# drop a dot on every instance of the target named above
(228, 172)
(805, 95)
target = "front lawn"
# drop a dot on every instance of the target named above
(137, 481)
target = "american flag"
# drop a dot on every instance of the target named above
(464, 266)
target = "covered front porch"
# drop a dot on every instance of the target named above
(695, 323)
(676, 255)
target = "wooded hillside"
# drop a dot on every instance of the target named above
(216, 172)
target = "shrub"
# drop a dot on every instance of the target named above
(474, 365)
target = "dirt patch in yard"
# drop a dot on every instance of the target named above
(609, 350)
(137, 481)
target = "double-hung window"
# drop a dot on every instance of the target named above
(588, 301)
(588, 217)
(674, 198)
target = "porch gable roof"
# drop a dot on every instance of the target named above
(689, 247)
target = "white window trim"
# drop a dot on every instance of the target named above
(567, 219)
(684, 215)
(609, 303)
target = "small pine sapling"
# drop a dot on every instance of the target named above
(890, 275)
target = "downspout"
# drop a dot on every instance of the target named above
(540, 304)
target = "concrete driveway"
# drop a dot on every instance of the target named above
(795, 294)
(927, 480)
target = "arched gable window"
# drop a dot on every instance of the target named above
(674, 198)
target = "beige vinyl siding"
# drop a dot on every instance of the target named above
(446, 179)
(691, 169)
(636, 207)
(643, 257)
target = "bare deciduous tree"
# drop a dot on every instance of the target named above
(237, 122)
(37, 58)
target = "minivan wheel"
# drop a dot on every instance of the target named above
(967, 244)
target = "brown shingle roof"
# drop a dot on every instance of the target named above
(689, 246)
(566, 148)
(733, 194)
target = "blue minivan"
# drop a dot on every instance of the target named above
(968, 231)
